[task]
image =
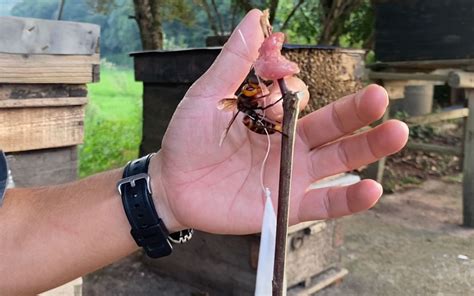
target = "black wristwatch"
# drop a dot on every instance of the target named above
(148, 230)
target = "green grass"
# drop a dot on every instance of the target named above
(113, 122)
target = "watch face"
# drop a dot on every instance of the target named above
(3, 176)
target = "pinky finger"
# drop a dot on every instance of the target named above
(333, 202)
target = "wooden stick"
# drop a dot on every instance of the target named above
(468, 164)
(290, 116)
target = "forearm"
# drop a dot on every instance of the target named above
(51, 235)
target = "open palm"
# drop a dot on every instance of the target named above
(218, 189)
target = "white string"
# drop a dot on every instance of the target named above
(266, 190)
(262, 169)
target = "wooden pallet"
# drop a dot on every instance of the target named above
(318, 282)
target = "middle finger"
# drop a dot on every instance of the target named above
(343, 116)
(355, 151)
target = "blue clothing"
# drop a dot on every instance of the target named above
(3, 176)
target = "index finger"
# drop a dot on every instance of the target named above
(233, 63)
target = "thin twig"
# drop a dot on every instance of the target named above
(61, 9)
(210, 17)
(290, 15)
(218, 17)
(290, 116)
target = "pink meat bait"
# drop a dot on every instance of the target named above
(270, 64)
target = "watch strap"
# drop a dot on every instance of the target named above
(148, 230)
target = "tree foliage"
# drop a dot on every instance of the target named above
(327, 22)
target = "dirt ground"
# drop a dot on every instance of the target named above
(409, 244)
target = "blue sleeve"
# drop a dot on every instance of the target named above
(3, 176)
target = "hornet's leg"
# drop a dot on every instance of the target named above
(226, 131)
(271, 105)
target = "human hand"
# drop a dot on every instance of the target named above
(198, 184)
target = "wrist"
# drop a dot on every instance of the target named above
(160, 198)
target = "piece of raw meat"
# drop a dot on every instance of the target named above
(270, 64)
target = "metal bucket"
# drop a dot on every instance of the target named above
(418, 100)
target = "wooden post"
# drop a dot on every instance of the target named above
(460, 79)
(468, 164)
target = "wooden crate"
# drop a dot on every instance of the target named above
(44, 66)
(227, 265)
(45, 166)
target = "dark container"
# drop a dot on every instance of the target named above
(408, 30)
(166, 76)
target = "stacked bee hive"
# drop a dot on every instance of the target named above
(44, 68)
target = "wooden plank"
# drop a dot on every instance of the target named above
(30, 91)
(437, 117)
(46, 102)
(319, 282)
(43, 167)
(468, 164)
(25, 129)
(426, 65)
(25, 69)
(458, 79)
(441, 149)
(37, 36)
(373, 75)
(48, 79)
(43, 69)
(47, 60)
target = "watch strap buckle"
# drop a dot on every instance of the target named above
(132, 181)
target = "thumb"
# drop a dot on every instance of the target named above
(233, 63)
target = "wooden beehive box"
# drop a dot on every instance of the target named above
(44, 68)
(227, 265)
